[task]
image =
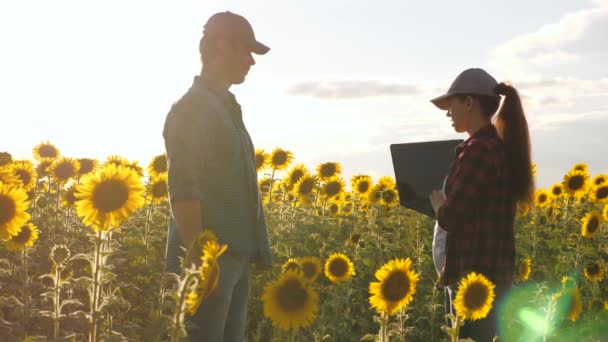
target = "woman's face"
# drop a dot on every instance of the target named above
(460, 113)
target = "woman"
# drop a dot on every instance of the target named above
(490, 175)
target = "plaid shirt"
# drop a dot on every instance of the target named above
(479, 212)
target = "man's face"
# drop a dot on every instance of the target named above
(460, 113)
(237, 60)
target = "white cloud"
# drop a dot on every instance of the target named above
(350, 89)
(548, 45)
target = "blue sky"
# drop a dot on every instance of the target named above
(344, 79)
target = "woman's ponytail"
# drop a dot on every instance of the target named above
(512, 127)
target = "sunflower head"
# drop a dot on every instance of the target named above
(261, 159)
(204, 237)
(355, 238)
(291, 264)
(290, 301)
(599, 179)
(87, 165)
(339, 268)
(280, 159)
(108, 197)
(116, 160)
(395, 287)
(390, 197)
(474, 297)
(533, 169)
(524, 269)
(541, 198)
(580, 167)
(60, 254)
(328, 170)
(13, 205)
(158, 188)
(361, 184)
(45, 150)
(43, 169)
(557, 190)
(568, 304)
(28, 233)
(69, 196)
(24, 170)
(594, 271)
(568, 282)
(158, 165)
(591, 224)
(64, 169)
(5, 158)
(295, 174)
(311, 267)
(305, 187)
(575, 182)
(332, 187)
(599, 193)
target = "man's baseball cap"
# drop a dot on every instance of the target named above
(473, 81)
(236, 27)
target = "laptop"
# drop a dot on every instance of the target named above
(420, 168)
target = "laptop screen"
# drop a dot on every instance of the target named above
(420, 168)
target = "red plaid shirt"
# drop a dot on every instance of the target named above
(479, 211)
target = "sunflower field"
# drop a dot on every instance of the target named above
(82, 257)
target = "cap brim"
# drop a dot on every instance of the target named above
(259, 48)
(442, 102)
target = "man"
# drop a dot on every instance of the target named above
(212, 176)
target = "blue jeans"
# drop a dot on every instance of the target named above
(223, 315)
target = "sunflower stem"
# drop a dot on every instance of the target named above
(25, 293)
(96, 288)
(292, 338)
(56, 301)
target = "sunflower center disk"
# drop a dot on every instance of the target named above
(48, 152)
(602, 193)
(23, 236)
(576, 182)
(110, 195)
(338, 268)
(476, 296)
(160, 189)
(396, 286)
(7, 209)
(309, 270)
(25, 176)
(292, 296)
(64, 171)
(593, 224)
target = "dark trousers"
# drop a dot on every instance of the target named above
(482, 330)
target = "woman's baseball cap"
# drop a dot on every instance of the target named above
(472, 81)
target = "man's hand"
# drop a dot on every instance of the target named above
(437, 200)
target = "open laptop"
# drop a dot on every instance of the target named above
(420, 168)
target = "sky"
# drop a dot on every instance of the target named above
(343, 79)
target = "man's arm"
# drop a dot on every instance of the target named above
(187, 215)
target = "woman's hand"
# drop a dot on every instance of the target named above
(437, 200)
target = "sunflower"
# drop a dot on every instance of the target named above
(599, 179)
(13, 206)
(375, 195)
(332, 187)
(60, 254)
(305, 187)
(204, 237)
(28, 233)
(87, 165)
(328, 170)
(209, 276)
(599, 193)
(557, 190)
(116, 160)
(294, 175)
(591, 224)
(355, 238)
(261, 159)
(135, 167)
(395, 287)
(389, 197)
(338, 268)
(361, 184)
(108, 197)
(280, 159)
(575, 182)
(5, 158)
(43, 169)
(533, 169)
(474, 297)
(25, 171)
(311, 267)
(568, 282)
(45, 150)
(594, 272)
(158, 189)
(290, 301)
(69, 196)
(541, 198)
(158, 165)
(8, 177)
(568, 303)
(524, 269)
(291, 264)
(64, 169)
(580, 167)
(333, 208)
